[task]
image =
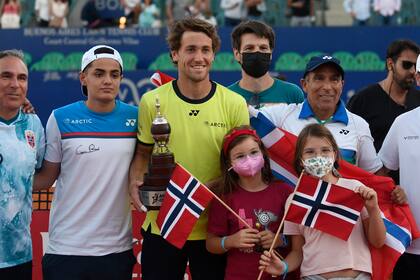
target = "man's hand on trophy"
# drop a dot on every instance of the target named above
(134, 193)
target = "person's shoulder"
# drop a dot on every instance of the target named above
(126, 106)
(229, 93)
(235, 86)
(68, 108)
(369, 91)
(163, 89)
(280, 108)
(287, 85)
(32, 118)
(356, 119)
(35, 118)
(413, 96)
(127, 110)
(408, 117)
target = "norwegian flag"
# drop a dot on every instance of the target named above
(185, 200)
(400, 225)
(159, 78)
(326, 207)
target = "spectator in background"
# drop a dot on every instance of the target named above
(302, 12)
(234, 11)
(359, 10)
(255, 9)
(177, 9)
(387, 8)
(202, 10)
(90, 15)
(380, 103)
(42, 12)
(150, 15)
(131, 10)
(10, 14)
(253, 43)
(58, 11)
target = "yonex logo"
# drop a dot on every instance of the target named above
(194, 112)
(413, 137)
(327, 57)
(345, 132)
(130, 122)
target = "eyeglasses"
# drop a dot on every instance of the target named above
(407, 64)
(254, 101)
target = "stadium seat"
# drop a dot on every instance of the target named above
(275, 15)
(163, 62)
(52, 61)
(129, 61)
(347, 60)
(72, 62)
(225, 61)
(290, 61)
(368, 61)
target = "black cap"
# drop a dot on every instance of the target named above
(322, 59)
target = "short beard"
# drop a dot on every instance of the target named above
(402, 83)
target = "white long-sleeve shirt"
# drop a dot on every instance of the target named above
(233, 8)
(42, 8)
(360, 8)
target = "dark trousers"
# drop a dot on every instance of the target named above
(232, 21)
(162, 261)
(407, 267)
(18, 272)
(118, 266)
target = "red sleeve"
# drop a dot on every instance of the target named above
(218, 220)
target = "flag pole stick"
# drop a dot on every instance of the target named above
(281, 224)
(228, 208)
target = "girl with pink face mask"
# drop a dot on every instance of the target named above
(248, 187)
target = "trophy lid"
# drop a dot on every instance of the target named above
(160, 125)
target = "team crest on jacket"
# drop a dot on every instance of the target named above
(30, 138)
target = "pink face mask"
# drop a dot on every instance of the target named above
(249, 165)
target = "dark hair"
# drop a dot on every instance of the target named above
(258, 28)
(191, 24)
(13, 52)
(313, 130)
(229, 179)
(397, 47)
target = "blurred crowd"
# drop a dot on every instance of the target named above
(158, 13)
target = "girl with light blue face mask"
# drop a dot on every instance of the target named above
(326, 256)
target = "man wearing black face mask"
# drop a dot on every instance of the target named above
(253, 44)
(380, 103)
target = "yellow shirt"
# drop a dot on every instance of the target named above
(197, 131)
